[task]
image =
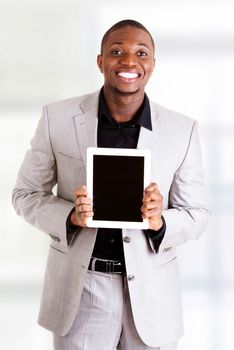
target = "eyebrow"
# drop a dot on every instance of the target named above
(121, 43)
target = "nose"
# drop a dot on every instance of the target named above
(128, 59)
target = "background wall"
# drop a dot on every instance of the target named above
(48, 52)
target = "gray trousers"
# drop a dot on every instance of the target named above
(104, 319)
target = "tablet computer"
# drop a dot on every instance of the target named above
(116, 179)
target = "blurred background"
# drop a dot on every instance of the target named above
(48, 52)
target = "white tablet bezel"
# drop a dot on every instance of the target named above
(91, 151)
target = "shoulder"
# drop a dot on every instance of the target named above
(71, 106)
(169, 116)
(172, 123)
(175, 129)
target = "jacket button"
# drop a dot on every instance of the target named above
(131, 277)
(127, 239)
(55, 238)
(167, 249)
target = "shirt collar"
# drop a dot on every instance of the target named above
(143, 117)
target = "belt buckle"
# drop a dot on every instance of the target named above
(110, 266)
(116, 263)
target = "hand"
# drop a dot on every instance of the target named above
(83, 207)
(152, 206)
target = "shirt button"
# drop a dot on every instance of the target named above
(112, 240)
(131, 277)
(127, 239)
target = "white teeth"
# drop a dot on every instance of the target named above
(128, 75)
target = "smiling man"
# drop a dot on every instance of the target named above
(113, 288)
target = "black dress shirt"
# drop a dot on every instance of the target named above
(112, 134)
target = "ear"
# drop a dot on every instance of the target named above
(99, 62)
(153, 66)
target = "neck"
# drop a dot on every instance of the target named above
(122, 107)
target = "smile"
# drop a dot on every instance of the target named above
(128, 75)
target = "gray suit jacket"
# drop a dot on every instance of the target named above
(58, 157)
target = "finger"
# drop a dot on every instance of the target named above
(82, 218)
(81, 191)
(86, 215)
(156, 212)
(151, 205)
(83, 208)
(151, 212)
(83, 200)
(152, 187)
(152, 196)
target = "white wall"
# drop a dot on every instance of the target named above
(48, 52)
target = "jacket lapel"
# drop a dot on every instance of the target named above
(149, 139)
(86, 124)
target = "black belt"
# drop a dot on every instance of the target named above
(107, 266)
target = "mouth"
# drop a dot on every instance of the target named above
(128, 77)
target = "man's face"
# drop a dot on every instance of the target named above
(127, 61)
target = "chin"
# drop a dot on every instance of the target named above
(126, 93)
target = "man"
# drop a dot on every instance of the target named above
(136, 304)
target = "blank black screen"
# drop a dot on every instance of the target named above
(118, 185)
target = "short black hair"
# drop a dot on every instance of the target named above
(122, 24)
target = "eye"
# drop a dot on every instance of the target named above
(116, 52)
(142, 53)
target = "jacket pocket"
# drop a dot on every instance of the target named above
(167, 257)
(169, 261)
(58, 248)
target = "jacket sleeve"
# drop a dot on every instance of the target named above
(187, 214)
(32, 196)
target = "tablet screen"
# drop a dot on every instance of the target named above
(118, 185)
